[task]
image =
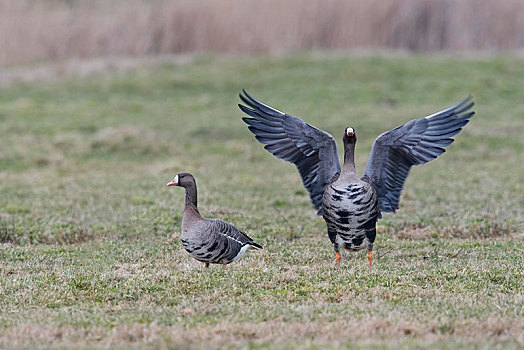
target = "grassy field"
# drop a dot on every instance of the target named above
(90, 254)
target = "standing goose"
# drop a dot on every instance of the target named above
(209, 240)
(351, 205)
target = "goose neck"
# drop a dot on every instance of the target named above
(191, 199)
(348, 169)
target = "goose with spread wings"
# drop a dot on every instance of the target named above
(349, 204)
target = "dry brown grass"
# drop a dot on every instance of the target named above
(82, 68)
(62, 29)
(240, 334)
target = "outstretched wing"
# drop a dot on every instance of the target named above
(313, 151)
(416, 142)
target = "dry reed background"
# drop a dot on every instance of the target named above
(63, 29)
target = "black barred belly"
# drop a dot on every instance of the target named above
(351, 213)
(216, 251)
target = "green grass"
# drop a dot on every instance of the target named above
(90, 253)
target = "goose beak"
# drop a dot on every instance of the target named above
(174, 182)
(350, 132)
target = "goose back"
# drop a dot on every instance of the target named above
(350, 212)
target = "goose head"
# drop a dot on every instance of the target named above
(182, 180)
(349, 135)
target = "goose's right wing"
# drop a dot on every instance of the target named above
(313, 151)
(417, 142)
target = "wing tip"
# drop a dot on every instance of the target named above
(468, 99)
(255, 245)
(246, 96)
(456, 109)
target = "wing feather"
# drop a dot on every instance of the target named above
(230, 232)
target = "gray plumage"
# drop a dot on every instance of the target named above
(416, 142)
(209, 240)
(313, 151)
(351, 205)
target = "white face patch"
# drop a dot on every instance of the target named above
(175, 180)
(350, 131)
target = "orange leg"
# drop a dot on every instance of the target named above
(370, 257)
(337, 256)
(206, 265)
(224, 266)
